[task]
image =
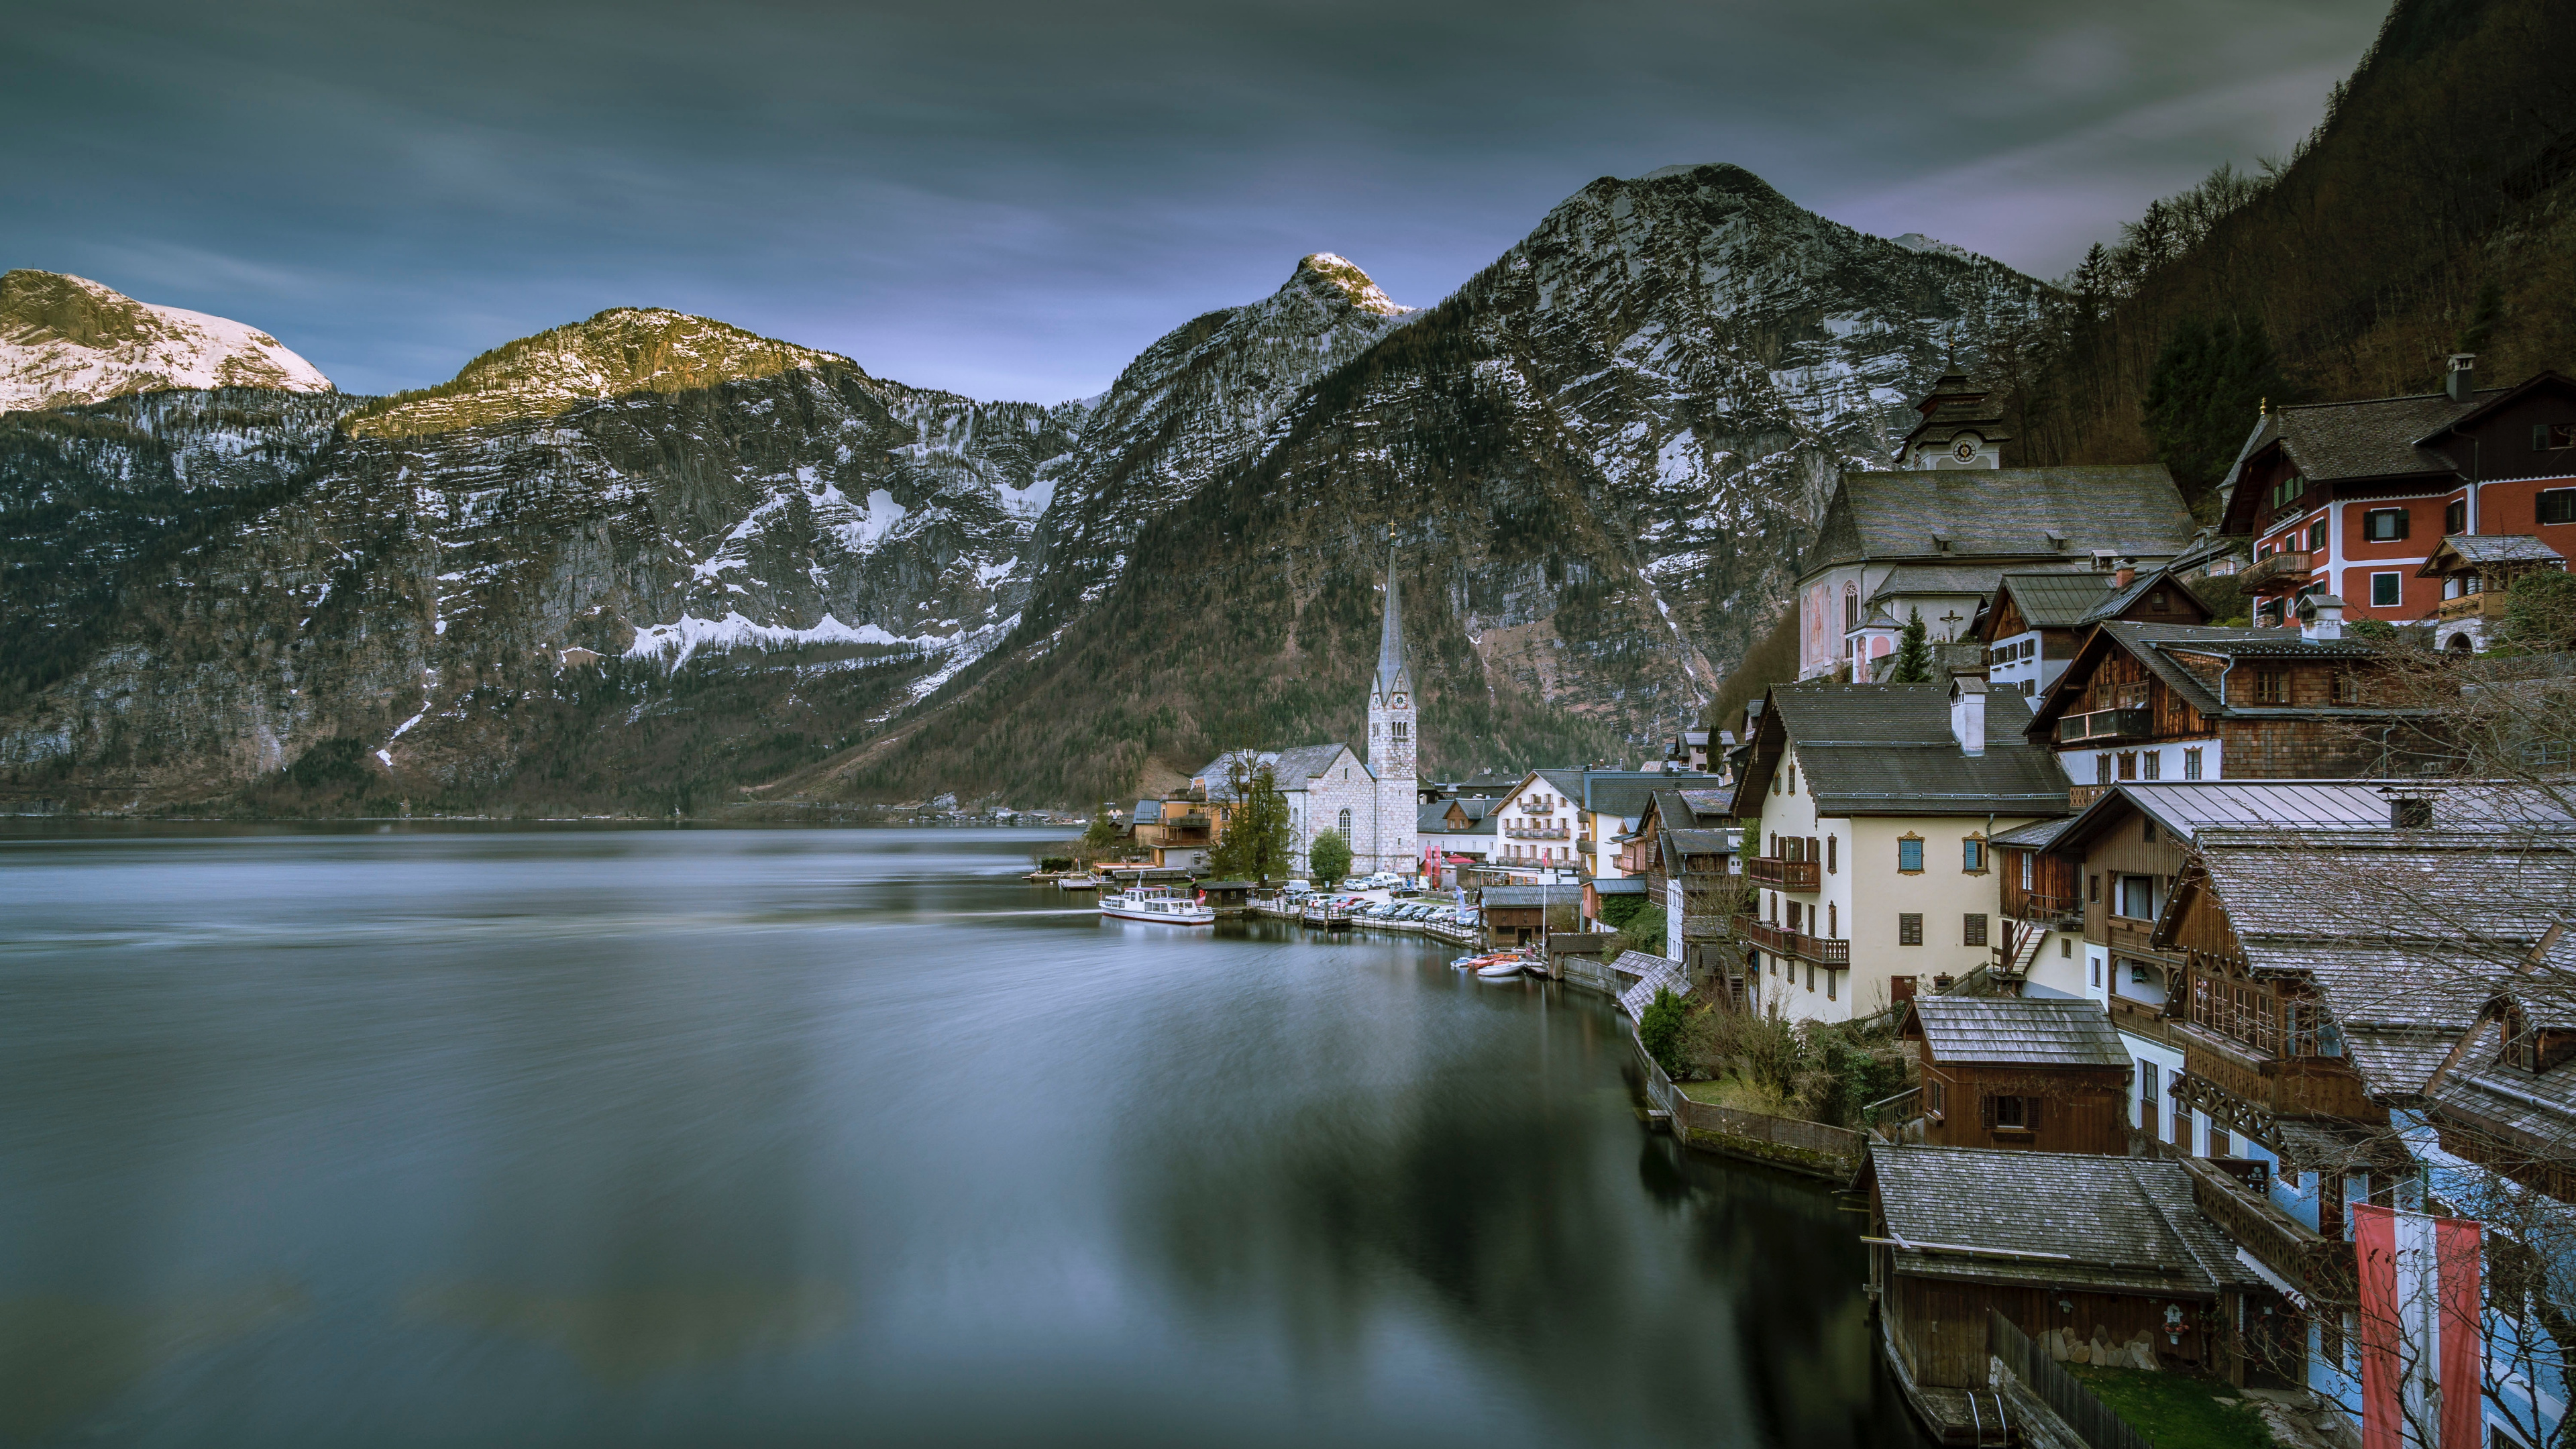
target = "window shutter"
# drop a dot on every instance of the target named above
(2540, 437)
(1986, 1110)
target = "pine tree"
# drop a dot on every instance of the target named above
(2209, 385)
(1913, 653)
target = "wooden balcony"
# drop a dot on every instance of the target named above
(2058, 913)
(1655, 893)
(2277, 1085)
(2144, 1019)
(2489, 605)
(2287, 569)
(1786, 875)
(2127, 723)
(1785, 942)
(2317, 1266)
(1542, 832)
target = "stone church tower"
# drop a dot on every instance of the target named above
(1392, 715)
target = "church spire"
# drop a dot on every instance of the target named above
(1393, 674)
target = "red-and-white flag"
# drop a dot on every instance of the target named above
(2421, 1347)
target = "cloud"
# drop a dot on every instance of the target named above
(1006, 197)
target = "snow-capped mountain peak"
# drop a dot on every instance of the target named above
(67, 340)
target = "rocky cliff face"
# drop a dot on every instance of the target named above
(66, 340)
(435, 577)
(1600, 460)
(1201, 398)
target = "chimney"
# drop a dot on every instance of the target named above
(2409, 812)
(2321, 617)
(1968, 713)
(2125, 573)
(2462, 379)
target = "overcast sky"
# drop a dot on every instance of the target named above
(1012, 199)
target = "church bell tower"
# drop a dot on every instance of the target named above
(1392, 716)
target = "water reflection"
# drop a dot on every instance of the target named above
(684, 1137)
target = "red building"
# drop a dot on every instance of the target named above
(2352, 498)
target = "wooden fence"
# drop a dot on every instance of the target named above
(2065, 1395)
(1811, 1148)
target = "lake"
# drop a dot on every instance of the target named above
(487, 1136)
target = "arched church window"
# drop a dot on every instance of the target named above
(1346, 822)
(1851, 606)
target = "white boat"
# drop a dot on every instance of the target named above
(1160, 904)
(1077, 883)
(1502, 970)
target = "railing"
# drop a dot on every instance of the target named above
(1794, 943)
(2313, 1264)
(2472, 606)
(2105, 724)
(2063, 913)
(1787, 875)
(2065, 1395)
(2288, 566)
(1544, 832)
(1185, 822)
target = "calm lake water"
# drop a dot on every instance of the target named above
(701, 1137)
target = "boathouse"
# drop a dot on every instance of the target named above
(2098, 1259)
(1517, 915)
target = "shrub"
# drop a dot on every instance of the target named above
(1661, 1031)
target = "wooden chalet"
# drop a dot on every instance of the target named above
(2099, 1259)
(2171, 702)
(1519, 915)
(2348, 498)
(2476, 573)
(2028, 1073)
(2037, 620)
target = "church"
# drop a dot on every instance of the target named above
(1369, 800)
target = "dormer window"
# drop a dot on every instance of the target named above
(1940, 544)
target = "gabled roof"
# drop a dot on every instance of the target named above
(2183, 809)
(1435, 816)
(2111, 1224)
(1702, 842)
(2053, 598)
(2165, 648)
(2487, 550)
(1887, 749)
(1297, 766)
(1532, 895)
(2147, 581)
(1959, 579)
(1618, 792)
(2386, 437)
(2016, 1031)
(2002, 513)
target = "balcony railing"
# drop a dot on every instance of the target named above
(1787, 875)
(2061, 913)
(2318, 1267)
(1786, 942)
(2105, 724)
(1543, 832)
(2488, 605)
(1185, 822)
(2288, 567)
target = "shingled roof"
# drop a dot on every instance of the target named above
(2053, 598)
(2061, 1219)
(2486, 550)
(2168, 650)
(2016, 1031)
(1886, 749)
(2005, 513)
(1305, 762)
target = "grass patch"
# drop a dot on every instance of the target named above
(1736, 1092)
(2176, 1409)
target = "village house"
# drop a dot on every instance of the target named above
(2037, 1074)
(2175, 702)
(1685, 851)
(2035, 622)
(1935, 539)
(2352, 499)
(2477, 572)
(1541, 830)
(2099, 1259)
(1607, 812)
(1872, 808)
(1454, 834)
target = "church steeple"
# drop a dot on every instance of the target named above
(1394, 676)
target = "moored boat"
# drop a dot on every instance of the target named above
(1160, 904)
(1077, 883)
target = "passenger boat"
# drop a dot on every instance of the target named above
(1077, 883)
(1160, 904)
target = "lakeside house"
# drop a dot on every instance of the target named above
(2352, 499)
(1871, 808)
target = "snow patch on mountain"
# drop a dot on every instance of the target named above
(66, 341)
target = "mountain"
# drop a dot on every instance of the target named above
(1600, 460)
(649, 561)
(488, 590)
(1200, 398)
(66, 340)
